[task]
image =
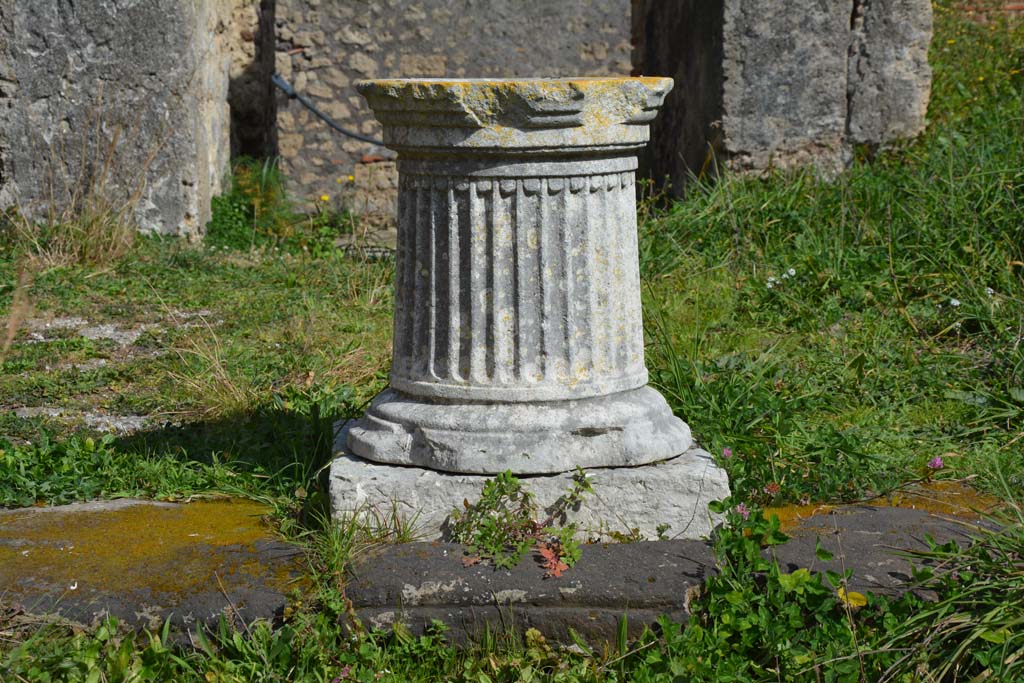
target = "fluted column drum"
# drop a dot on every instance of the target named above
(518, 288)
(518, 339)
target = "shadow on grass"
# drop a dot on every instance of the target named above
(276, 450)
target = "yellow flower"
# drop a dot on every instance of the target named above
(325, 198)
(351, 178)
(980, 79)
(852, 599)
(951, 41)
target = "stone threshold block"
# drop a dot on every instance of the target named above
(626, 500)
(417, 583)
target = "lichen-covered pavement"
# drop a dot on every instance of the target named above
(148, 562)
(145, 562)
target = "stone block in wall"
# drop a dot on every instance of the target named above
(783, 90)
(889, 81)
(764, 84)
(127, 101)
(325, 47)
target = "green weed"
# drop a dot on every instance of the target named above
(973, 630)
(503, 525)
(256, 213)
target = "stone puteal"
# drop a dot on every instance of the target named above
(518, 342)
(518, 330)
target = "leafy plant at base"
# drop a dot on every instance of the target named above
(753, 621)
(502, 527)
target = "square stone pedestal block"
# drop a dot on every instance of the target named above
(675, 492)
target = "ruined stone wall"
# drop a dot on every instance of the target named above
(324, 47)
(123, 101)
(770, 84)
(152, 96)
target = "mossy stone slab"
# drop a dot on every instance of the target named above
(144, 562)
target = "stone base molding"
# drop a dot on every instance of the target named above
(624, 429)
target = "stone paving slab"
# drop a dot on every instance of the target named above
(867, 540)
(416, 583)
(144, 562)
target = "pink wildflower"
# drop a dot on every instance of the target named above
(936, 463)
(726, 452)
(743, 511)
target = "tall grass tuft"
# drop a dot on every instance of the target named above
(974, 631)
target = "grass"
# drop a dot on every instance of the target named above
(834, 336)
(871, 323)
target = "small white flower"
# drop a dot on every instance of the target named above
(954, 302)
(770, 284)
(73, 587)
(990, 291)
(791, 272)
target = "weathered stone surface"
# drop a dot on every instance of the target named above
(144, 562)
(774, 85)
(675, 493)
(574, 115)
(784, 98)
(518, 330)
(620, 429)
(415, 583)
(342, 41)
(889, 79)
(867, 540)
(118, 104)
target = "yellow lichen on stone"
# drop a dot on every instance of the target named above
(504, 109)
(163, 549)
(937, 497)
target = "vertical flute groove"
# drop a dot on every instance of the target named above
(544, 314)
(432, 285)
(586, 281)
(409, 344)
(489, 294)
(517, 247)
(454, 316)
(568, 277)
